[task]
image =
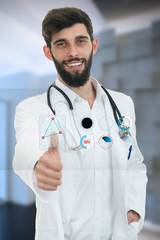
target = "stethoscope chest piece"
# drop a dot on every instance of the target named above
(125, 135)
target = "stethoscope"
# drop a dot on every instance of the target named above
(124, 133)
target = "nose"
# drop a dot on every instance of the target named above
(72, 51)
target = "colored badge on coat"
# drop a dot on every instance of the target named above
(105, 142)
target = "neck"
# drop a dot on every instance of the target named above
(86, 92)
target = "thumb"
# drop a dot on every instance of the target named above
(53, 149)
(54, 140)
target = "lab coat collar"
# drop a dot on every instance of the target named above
(71, 94)
(99, 91)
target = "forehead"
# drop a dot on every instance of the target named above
(71, 32)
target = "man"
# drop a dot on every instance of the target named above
(88, 194)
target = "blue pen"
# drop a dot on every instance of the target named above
(130, 150)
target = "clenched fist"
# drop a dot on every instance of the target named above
(48, 168)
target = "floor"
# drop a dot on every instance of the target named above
(17, 223)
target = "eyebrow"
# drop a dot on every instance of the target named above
(64, 39)
(81, 36)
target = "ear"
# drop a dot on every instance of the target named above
(95, 45)
(47, 52)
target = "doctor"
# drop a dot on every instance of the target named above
(86, 194)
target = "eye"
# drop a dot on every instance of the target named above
(60, 44)
(81, 41)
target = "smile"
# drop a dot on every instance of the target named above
(74, 64)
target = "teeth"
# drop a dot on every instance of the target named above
(74, 64)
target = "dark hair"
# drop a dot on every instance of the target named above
(60, 18)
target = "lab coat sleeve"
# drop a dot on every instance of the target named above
(27, 150)
(136, 177)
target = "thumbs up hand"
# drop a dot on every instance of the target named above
(48, 168)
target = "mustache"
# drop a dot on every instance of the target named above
(73, 59)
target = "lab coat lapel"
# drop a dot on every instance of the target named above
(119, 151)
(118, 156)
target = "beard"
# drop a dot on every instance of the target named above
(77, 79)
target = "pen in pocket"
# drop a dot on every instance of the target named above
(130, 150)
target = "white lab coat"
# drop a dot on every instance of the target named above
(129, 176)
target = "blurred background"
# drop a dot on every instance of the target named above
(128, 60)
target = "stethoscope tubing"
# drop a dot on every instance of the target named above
(115, 109)
(123, 132)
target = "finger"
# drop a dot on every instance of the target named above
(48, 172)
(48, 181)
(54, 140)
(55, 164)
(49, 168)
(46, 187)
